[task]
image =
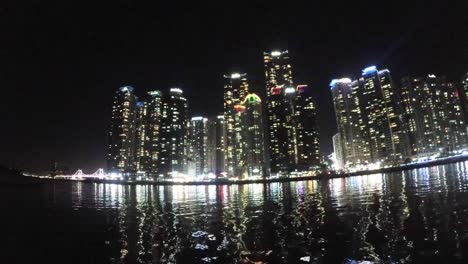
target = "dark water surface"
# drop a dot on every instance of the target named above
(418, 216)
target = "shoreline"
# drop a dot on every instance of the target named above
(431, 163)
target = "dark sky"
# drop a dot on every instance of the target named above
(61, 63)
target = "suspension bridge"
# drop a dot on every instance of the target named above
(79, 175)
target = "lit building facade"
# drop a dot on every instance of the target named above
(351, 130)
(463, 91)
(153, 146)
(174, 134)
(221, 146)
(211, 148)
(433, 116)
(338, 152)
(252, 130)
(278, 75)
(216, 146)
(379, 106)
(292, 128)
(120, 155)
(307, 149)
(142, 159)
(198, 146)
(147, 133)
(369, 120)
(235, 89)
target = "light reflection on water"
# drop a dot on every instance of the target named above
(414, 216)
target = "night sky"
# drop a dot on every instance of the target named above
(61, 63)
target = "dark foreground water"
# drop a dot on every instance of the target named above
(419, 216)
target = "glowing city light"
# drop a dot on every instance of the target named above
(197, 118)
(176, 90)
(301, 88)
(276, 90)
(126, 89)
(369, 70)
(235, 76)
(239, 108)
(275, 53)
(289, 90)
(154, 93)
(250, 98)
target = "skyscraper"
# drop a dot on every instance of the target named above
(421, 119)
(211, 145)
(198, 146)
(354, 149)
(252, 128)
(464, 97)
(154, 119)
(368, 118)
(338, 151)
(292, 128)
(142, 159)
(148, 125)
(173, 136)
(235, 89)
(120, 155)
(240, 142)
(432, 116)
(278, 76)
(379, 105)
(306, 130)
(216, 157)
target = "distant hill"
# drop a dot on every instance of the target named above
(12, 176)
(6, 172)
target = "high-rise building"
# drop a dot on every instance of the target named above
(279, 81)
(292, 129)
(173, 135)
(235, 89)
(198, 146)
(240, 143)
(307, 149)
(142, 159)
(463, 91)
(420, 99)
(211, 145)
(354, 149)
(368, 118)
(120, 155)
(379, 107)
(154, 119)
(148, 125)
(216, 157)
(432, 115)
(338, 151)
(252, 130)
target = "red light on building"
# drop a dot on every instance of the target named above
(301, 88)
(239, 108)
(276, 90)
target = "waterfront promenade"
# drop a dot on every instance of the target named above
(321, 176)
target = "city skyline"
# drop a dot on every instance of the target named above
(73, 77)
(154, 137)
